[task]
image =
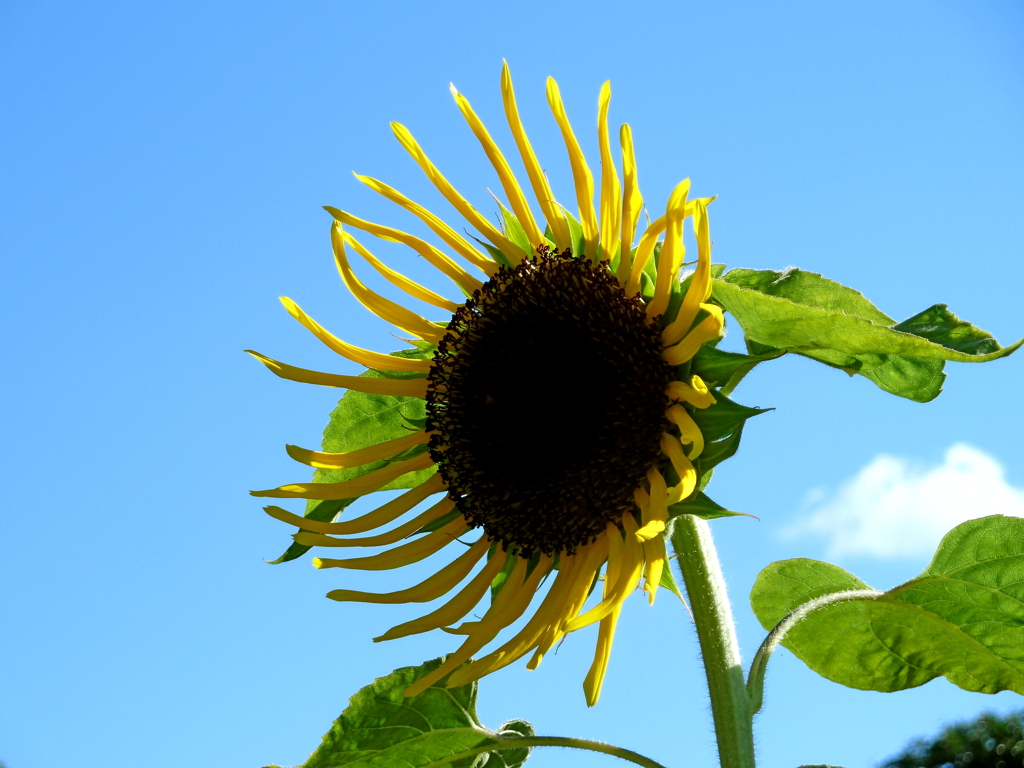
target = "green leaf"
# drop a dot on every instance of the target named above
(963, 618)
(358, 421)
(703, 507)
(805, 313)
(381, 728)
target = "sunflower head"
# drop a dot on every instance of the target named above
(559, 403)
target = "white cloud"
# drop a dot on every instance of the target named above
(894, 508)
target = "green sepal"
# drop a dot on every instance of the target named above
(963, 618)
(578, 244)
(703, 507)
(717, 452)
(502, 576)
(440, 522)
(804, 313)
(718, 368)
(382, 728)
(723, 418)
(514, 231)
(361, 420)
(496, 254)
(668, 581)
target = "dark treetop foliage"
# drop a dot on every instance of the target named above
(990, 741)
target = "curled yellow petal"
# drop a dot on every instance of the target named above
(696, 393)
(672, 448)
(706, 330)
(372, 386)
(689, 432)
(347, 489)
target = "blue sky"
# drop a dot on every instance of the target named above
(163, 171)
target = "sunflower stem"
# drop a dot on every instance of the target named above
(709, 601)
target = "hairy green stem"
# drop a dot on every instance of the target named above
(755, 681)
(709, 602)
(520, 742)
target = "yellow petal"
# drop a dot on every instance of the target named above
(499, 616)
(582, 177)
(512, 251)
(700, 285)
(595, 676)
(432, 255)
(385, 309)
(689, 432)
(632, 203)
(707, 329)
(550, 612)
(672, 251)
(696, 393)
(643, 252)
(432, 588)
(672, 448)
(372, 386)
(368, 455)
(538, 180)
(349, 352)
(453, 239)
(611, 204)
(627, 577)
(461, 604)
(347, 489)
(405, 530)
(406, 554)
(378, 517)
(655, 559)
(516, 198)
(411, 287)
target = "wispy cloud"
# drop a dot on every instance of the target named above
(895, 508)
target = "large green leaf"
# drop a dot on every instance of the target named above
(963, 618)
(804, 313)
(361, 420)
(381, 728)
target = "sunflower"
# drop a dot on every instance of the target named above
(558, 402)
